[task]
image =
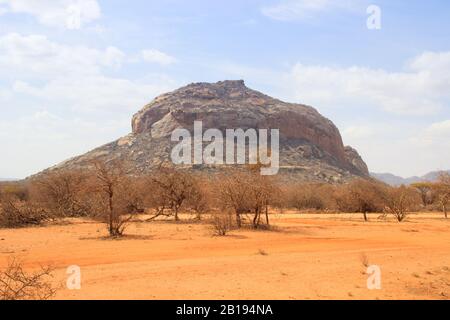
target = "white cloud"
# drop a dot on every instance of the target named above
(71, 14)
(289, 10)
(438, 132)
(48, 139)
(73, 76)
(64, 100)
(358, 132)
(95, 93)
(156, 56)
(35, 55)
(421, 89)
(401, 148)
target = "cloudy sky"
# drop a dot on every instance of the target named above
(73, 72)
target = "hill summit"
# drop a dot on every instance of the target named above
(311, 147)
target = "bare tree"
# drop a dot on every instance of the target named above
(262, 190)
(443, 192)
(222, 223)
(16, 284)
(16, 213)
(247, 192)
(400, 201)
(171, 188)
(424, 189)
(234, 193)
(118, 200)
(63, 193)
(199, 198)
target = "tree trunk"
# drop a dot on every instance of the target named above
(255, 223)
(176, 214)
(365, 216)
(267, 214)
(238, 220)
(111, 213)
(445, 211)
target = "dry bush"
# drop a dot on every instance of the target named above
(246, 192)
(116, 196)
(361, 196)
(442, 189)
(170, 190)
(263, 190)
(310, 196)
(233, 193)
(425, 189)
(400, 201)
(19, 190)
(16, 284)
(222, 223)
(64, 193)
(199, 198)
(17, 213)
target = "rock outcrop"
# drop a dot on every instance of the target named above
(311, 146)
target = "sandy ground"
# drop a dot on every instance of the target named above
(306, 257)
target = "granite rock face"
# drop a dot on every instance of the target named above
(311, 146)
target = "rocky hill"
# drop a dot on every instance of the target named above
(311, 146)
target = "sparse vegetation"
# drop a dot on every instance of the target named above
(16, 212)
(17, 284)
(117, 199)
(400, 201)
(64, 193)
(222, 223)
(442, 189)
(171, 189)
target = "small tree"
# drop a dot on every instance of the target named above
(199, 198)
(400, 201)
(222, 223)
(63, 193)
(117, 199)
(424, 189)
(443, 192)
(361, 196)
(171, 188)
(234, 193)
(16, 213)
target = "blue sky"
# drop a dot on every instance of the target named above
(73, 72)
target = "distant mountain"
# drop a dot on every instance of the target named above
(394, 180)
(7, 179)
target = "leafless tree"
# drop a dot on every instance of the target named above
(424, 189)
(222, 223)
(16, 284)
(171, 188)
(118, 200)
(234, 193)
(247, 192)
(16, 213)
(199, 199)
(63, 193)
(400, 201)
(443, 192)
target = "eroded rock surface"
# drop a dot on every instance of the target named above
(311, 145)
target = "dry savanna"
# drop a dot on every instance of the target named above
(174, 234)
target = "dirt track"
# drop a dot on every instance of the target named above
(307, 257)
